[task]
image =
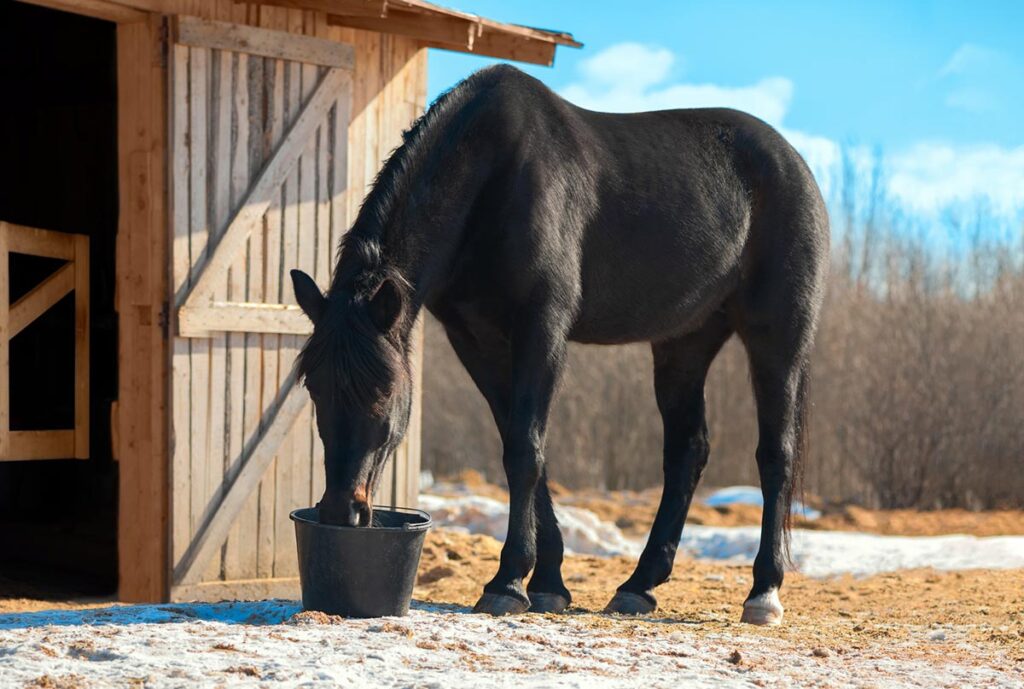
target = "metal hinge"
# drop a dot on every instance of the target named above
(164, 319)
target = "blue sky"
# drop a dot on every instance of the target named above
(938, 85)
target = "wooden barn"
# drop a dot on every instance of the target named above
(163, 164)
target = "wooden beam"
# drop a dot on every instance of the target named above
(265, 189)
(31, 240)
(239, 589)
(259, 452)
(142, 292)
(99, 9)
(454, 31)
(41, 444)
(41, 298)
(219, 316)
(354, 8)
(278, 45)
(504, 47)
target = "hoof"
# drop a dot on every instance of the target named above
(548, 602)
(629, 603)
(497, 604)
(765, 609)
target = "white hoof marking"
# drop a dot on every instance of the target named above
(765, 609)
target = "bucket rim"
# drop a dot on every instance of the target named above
(405, 528)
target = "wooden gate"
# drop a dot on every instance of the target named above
(73, 276)
(259, 123)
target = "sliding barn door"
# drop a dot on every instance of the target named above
(258, 182)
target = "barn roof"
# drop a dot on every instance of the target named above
(441, 27)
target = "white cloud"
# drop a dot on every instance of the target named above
(930, 175)
(977, 78)
(630, 77)
(629, 64)
(925, 178)
(970, 57)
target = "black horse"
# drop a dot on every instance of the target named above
(523, 222)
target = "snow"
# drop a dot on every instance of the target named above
(751, 495)
(267, 643)
(825, 554)
(582, 531)
(816, 553)
(262, 643)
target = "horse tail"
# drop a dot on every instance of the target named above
(795, 485)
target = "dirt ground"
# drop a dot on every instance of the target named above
(970, 616)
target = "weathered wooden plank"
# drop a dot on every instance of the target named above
(81, 272)
(238, 317)
(303, 445)
(277, 45)
(181, 377)
(220, 207)
(268, 276)
(259, 452)
(42, 444)
(199, 231)
(355, 8)
(244, 389)
(238, 589)
(31, 240)
(261, 195)
(41, 297)
(456, 32)
(98, 9)
(284, 531)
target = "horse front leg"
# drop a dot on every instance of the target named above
(538, 355)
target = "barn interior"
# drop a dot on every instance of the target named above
(58, 171)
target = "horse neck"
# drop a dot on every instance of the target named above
(422, 239)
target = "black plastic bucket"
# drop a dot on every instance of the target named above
(360, 571)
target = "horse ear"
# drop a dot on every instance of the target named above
(308, 295)
(386, 305)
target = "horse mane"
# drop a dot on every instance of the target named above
(361, 255)
(364, 364)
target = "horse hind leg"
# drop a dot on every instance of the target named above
(779, 377)
(680, 370)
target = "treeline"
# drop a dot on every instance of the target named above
(917, 390)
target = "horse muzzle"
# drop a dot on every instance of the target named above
(346, 508)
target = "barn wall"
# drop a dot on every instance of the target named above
(389, 90)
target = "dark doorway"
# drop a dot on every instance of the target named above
(58, 171)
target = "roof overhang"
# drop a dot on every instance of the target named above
(440, 27)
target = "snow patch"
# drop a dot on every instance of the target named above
(582, 531)
(751, 495)
(819, 554)
(830, 553)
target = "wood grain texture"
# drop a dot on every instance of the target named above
(143, 449)
(251, 40)
(308, 211)
(260, 452)
(40, 298)
(262, 192)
